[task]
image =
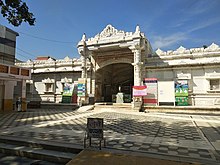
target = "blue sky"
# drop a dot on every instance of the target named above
(167, 24)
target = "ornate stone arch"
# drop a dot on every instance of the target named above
(113, 61)
(112, 54)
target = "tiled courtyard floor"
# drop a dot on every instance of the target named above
(187, 136)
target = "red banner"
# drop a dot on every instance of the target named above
(139, 90)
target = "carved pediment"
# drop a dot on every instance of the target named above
(160, 52)
(67, 58)
(66, 80)
(48, 80)
(109, 31)
(181, 49)
(212, 47)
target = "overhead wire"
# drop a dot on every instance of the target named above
(25, 51)
(29, 55)
(22, 55)
(46, 39)
(40, 38)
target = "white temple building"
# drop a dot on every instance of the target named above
(114, 61)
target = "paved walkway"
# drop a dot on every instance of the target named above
(107, 158)
(189, 137)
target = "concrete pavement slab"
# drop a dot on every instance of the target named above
(100, 157)
(167, 134)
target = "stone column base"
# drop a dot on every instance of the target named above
(137, 103)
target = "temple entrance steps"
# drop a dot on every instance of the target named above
(113, 106)
(70, 106)
(36, 151)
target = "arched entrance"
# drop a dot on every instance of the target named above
(111, 59)
(110, 77)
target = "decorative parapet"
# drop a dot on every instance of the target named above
(183, 57)
(48, 80)
(181, 50)
(212, 47)
(49, 62)
(52, 65)
(212, 75)
(160, 52)
(110, 31)
(111, 35)
(66, 80)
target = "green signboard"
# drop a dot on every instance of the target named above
(181, 101)
(68, 89)
(81, 89)
(181, 92)
(181, 88)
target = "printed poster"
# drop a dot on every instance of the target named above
(139, 90)
(68, 89)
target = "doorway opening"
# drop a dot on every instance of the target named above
(112, 77)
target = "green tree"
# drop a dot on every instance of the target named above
(16, 12)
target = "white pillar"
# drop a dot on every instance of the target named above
(138, 77)
(23, 95)
(84, 71)
(23, 91)
(82, 52)
(138, 65)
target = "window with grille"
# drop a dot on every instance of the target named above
(49, 87)
(214, 84)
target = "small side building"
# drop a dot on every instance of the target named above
(53, 81)
(12, 78)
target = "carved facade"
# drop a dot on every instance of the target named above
(199, 66)
(114, 58)
(49, 77)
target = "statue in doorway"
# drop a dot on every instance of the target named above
(119, 96)
(119, 88)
